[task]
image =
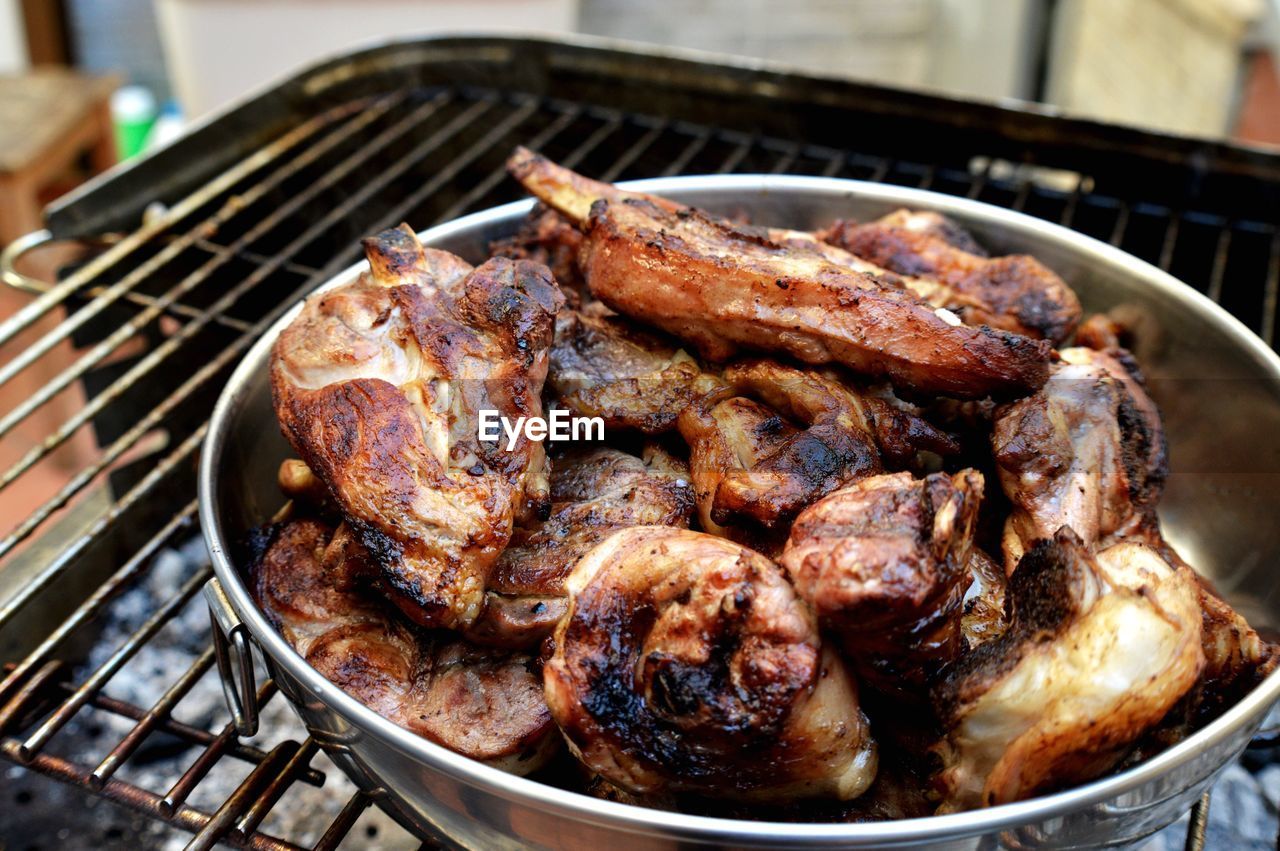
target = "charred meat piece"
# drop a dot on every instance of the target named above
(772, 439)
(687, 664)
(1017, 292)
(605, 366)
(725, 288)
(1086, 451)
(885, 563)
(594, 493)
(484, 704)
(1097, 652)
(547, 237)
(378, 385)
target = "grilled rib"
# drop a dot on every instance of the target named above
(726, 288)
(378, 385)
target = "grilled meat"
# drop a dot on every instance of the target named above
(1086, 451)
(725, 288)
(378, 385)
(484, 704)
(686, 663)
(594, 492)
(1098, 650)
(605, 366)
(884, 563)
(769, 439)
(547, 237)
(1016, 293)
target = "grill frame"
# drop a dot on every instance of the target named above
(136, 526)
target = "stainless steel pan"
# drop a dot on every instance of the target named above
(1219, 386)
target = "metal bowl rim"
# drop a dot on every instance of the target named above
(626, 817)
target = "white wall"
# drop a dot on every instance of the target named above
(217, 50)
(13, 38)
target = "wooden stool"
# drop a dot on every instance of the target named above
(49, 119)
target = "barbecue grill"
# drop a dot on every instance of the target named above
(201, 246)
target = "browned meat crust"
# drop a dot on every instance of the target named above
(885, 563)
(725, 289)
(687, 664)
(769, 439)
(1017, 292)
(378, 385)
(484, 704)
(594, 492)
(607, 367)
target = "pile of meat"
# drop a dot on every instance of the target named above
(863, 540)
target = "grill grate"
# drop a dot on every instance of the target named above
(159, 318)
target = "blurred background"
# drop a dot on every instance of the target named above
(1193, 66)
(87, 83)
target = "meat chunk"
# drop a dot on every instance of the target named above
(1017, 292)
(1087, 451)
(547, 237)
(605, 366)
(378, 386)
(726, 288)
(594, 492)
(1097, 653)
(484, 704)
(770, 439)
(687, 664)
(885, 563)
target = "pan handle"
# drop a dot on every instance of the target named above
(235, 659)
(9, 273)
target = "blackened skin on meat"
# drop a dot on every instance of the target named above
(885, 563)
(687, 664)
(607, 367)
(1016, 292)
(484, 704)
(1098, 651)
(594, 492)
(726, 288)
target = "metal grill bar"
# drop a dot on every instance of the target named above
(241, 202)
(282, 213)
(145, 234)
(467, 145)
(99, 678)
(159, 712)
